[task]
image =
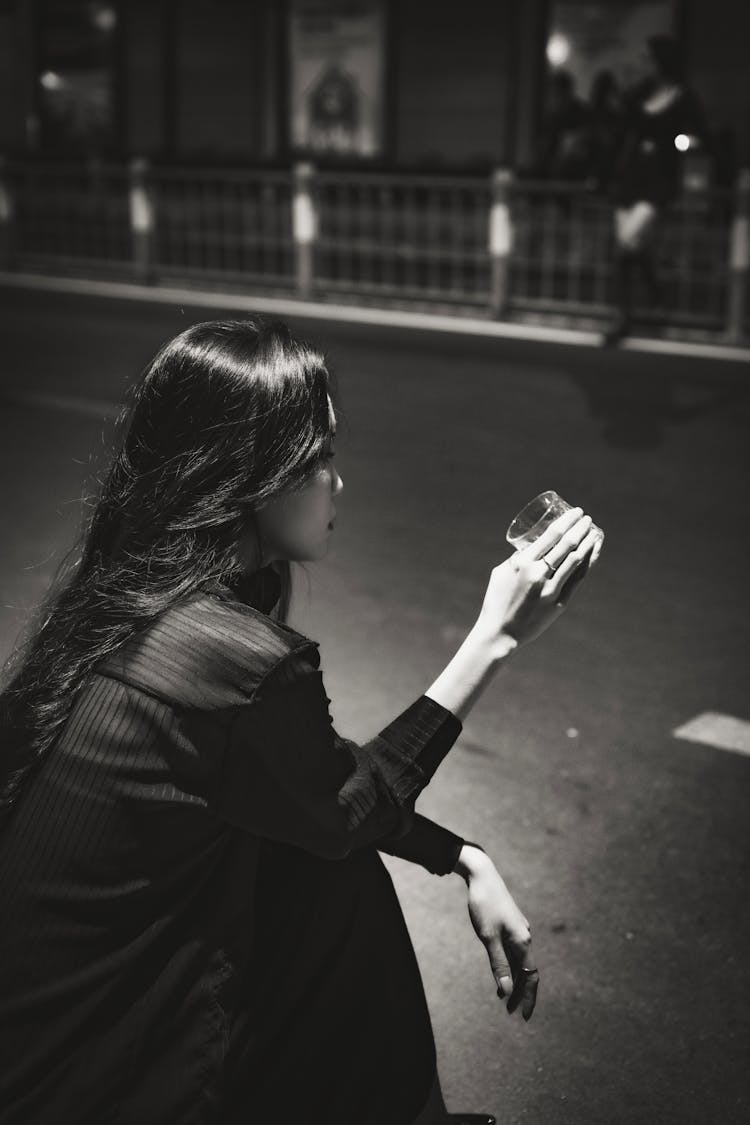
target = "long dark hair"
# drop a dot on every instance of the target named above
(228, 415)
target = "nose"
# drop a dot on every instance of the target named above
(337, 483)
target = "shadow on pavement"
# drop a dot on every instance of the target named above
(635, 414)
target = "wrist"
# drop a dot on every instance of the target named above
(471, 860)
(463, 680)
(498, 645)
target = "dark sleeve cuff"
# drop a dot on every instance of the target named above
(433, 847)
(424, 733)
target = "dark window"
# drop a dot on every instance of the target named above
(76, 75)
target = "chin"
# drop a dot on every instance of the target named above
(313, 553)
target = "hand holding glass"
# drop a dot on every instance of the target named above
(534, 519)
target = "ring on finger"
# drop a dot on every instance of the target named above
(548, 564)
(529, 972)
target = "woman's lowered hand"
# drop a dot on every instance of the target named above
(503, 930)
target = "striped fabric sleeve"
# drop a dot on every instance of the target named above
(429, 844)
(288, 775)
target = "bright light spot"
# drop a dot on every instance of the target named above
(103, 17)
(682, 142)
(51, 81)
(558, 49)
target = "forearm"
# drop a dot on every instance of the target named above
(463, 680)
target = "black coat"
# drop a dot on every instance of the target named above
(198, 814)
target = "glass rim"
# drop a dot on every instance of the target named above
(550, 495)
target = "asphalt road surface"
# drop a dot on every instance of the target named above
(625, 845)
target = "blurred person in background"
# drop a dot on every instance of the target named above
(563, 147)
(663, 119)
(605, 127)
(196, 924)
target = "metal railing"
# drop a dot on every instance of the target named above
(564, 250)
(58, 213)
(417, 237)
(493, 246)
(223, 225)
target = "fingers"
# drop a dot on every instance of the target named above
(525, 992)
(574, 568)
(570, 531)
(525, 976)
(552, 535)
(568, 543)
(500, 967)
(519, 984)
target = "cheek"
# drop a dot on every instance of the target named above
(299, 513)
(315, 502)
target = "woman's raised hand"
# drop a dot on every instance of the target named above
(524, 596)
(530, 590)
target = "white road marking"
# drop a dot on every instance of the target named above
(358, 314)
(725, 732)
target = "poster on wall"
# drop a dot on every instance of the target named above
(336, 77)
(588, 38)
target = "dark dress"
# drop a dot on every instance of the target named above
(196, 924)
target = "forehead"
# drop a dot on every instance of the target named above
(331, 414)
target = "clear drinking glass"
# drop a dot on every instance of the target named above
(535, 518)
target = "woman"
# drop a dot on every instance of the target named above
(663, 112)
(197, 926)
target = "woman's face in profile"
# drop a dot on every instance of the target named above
(297, 525)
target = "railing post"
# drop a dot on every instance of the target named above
(141, 205)
(7, 218)
(739, 258)
(304, 228)
(500, 239)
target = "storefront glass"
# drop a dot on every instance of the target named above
(76, 75)
(588, 38)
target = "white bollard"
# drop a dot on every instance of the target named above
(739, 259)
(7, 216)
(141, 207)
(304, 227)
(500, 239)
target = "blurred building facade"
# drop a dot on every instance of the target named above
(416, 84)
